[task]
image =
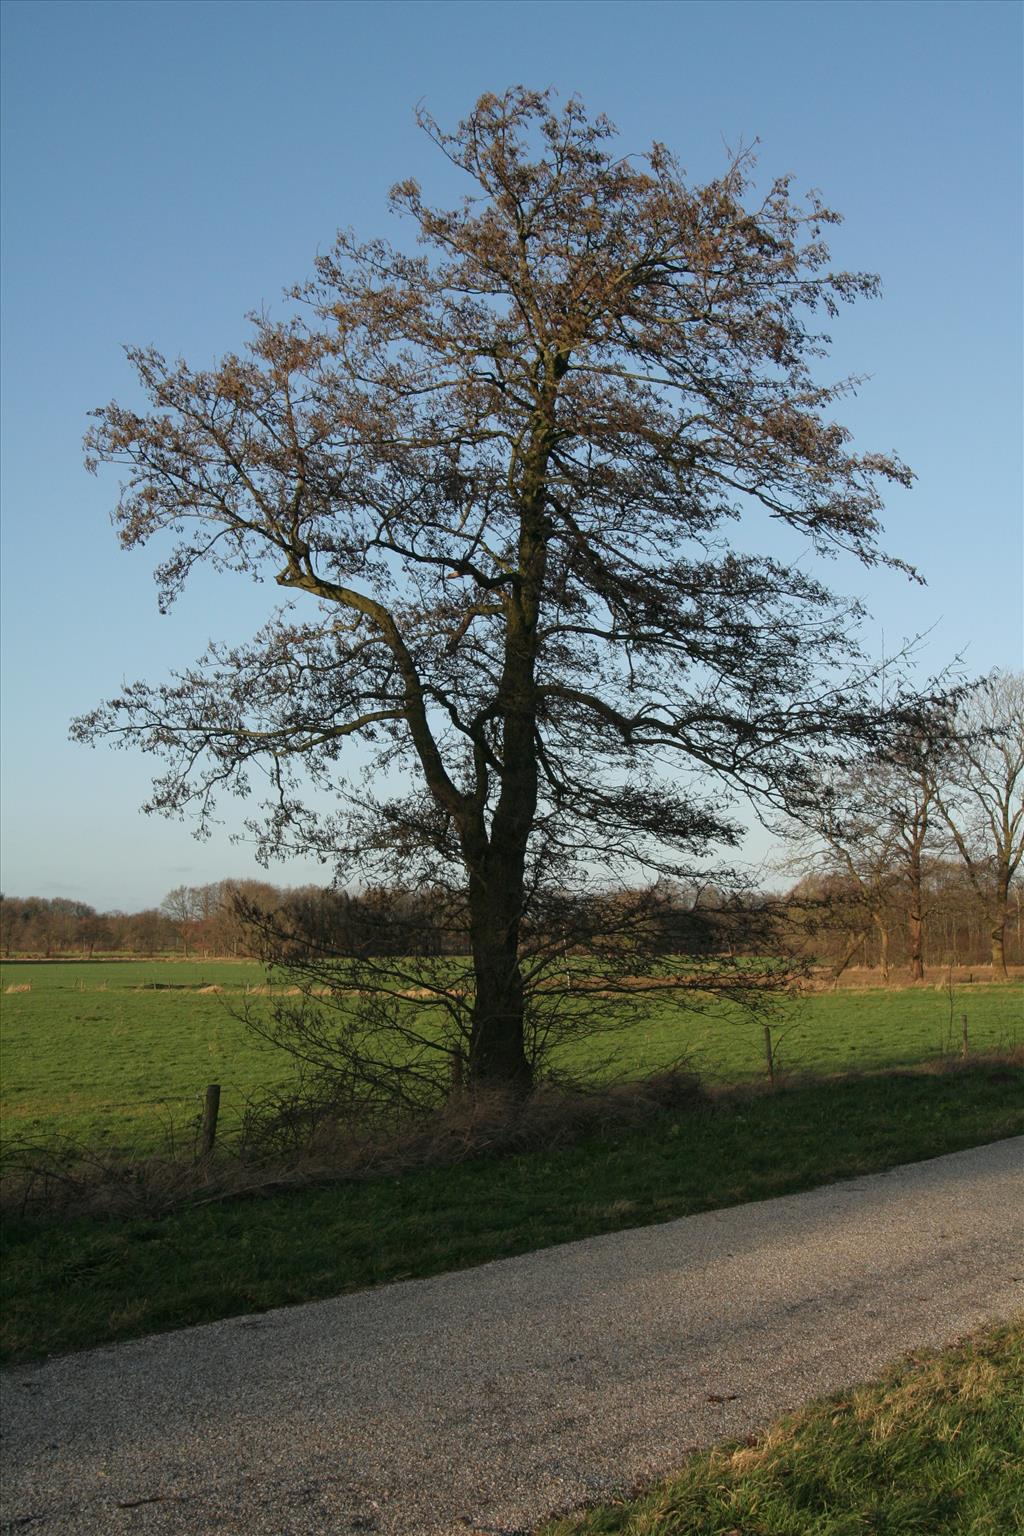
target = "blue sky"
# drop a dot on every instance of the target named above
(170, 166)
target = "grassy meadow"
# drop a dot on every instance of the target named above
(114, 1053)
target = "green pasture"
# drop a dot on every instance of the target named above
(114, 1052)
(824, 1032)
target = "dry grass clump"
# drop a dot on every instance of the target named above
(328, 1138)
(862, 978)
(997, 1061)
(67, 1179)
(490, 1122)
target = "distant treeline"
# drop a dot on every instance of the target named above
(824, 917)
(221, 918)
(845, 924)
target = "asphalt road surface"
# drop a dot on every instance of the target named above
(484, 1400)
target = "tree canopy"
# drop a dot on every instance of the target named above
(505, 481)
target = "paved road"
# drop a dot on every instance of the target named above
(481, 1401)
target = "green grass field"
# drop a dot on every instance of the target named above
(113, 1052)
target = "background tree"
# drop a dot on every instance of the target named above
(11, 923)
(150, 931)
(837, 836)
(911, 808)
(223, 932)
(183, 907)
(507, 477)
(825, 917)
(872, 825)
(981, 798)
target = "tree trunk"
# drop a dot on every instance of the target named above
(914, 937)
(497, 1055)
(852, 941)
(497, 870)
(883, 947)
(497, 864)
(915, 906)
(497, 1052)
(998, 940)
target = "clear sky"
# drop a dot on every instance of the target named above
(170, 166)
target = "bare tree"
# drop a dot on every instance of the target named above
(184, 908)
(914, 807)
(981, 797)
(507, 477)
(836, 834)
(872, 824)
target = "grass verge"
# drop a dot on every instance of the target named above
(70, 1284)
(935, 1447)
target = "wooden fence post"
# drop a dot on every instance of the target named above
(964, 1047)
(211, 1109)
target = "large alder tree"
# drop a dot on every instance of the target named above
(505, 482)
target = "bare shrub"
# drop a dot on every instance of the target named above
(66, 1178)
